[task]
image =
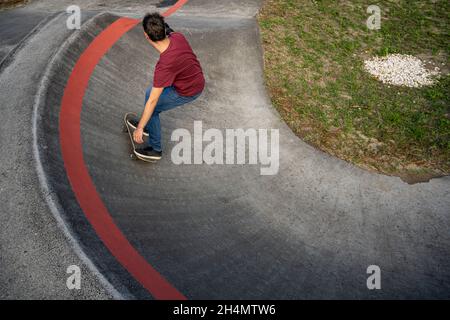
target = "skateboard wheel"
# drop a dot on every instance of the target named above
(133, 156)
(124, 129)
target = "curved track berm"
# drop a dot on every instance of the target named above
(225, 231)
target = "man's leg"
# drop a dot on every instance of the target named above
(169, 99)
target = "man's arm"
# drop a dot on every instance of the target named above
(169, 30)
(146, 115)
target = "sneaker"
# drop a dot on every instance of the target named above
(134, 123)
(149, 153)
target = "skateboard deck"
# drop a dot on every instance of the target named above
(127, 128)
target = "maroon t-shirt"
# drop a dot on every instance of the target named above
(179, 66)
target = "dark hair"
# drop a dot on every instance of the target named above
(154, 26)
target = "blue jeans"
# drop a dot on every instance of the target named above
(169, 99)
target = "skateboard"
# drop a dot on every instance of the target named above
(128, 129)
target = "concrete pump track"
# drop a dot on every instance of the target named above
(166, 231)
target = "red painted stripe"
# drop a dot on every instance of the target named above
(175, 7)
(77, 172)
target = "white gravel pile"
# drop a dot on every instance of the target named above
(401, 70)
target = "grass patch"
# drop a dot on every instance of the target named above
(314, 53)
(7, 4)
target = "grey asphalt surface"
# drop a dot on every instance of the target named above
(212, 231)
(34, 252)
(15, 26)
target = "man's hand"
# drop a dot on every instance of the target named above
(137, 135)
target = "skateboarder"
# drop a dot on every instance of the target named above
(178, 79)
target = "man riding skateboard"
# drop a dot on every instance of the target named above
(178, 80)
